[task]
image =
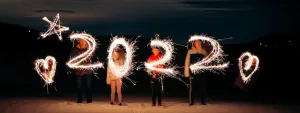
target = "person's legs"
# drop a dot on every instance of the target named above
(79, 89)
(119, 89)
(202, 88)
(159, 91)
(89, 88)
(113, 91)
(153, 92)
(191, 92)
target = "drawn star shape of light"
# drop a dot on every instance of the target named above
(54, 27)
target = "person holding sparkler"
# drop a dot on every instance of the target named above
(81, 47)
(47, 70)
(197, 82)
(247, 68)
(156, 77)
(114, 81)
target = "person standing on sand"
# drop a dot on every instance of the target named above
(114, 81)
(81, 74)
(197, 82)
(156, 77)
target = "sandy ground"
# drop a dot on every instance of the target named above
(134, 105)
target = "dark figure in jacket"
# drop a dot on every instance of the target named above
(83, 77)
(197, 81)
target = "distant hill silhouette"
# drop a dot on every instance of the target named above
(20, 47)
(278, 40)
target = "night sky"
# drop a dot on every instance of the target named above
(243, 20)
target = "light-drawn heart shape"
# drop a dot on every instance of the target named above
(46, 68)
(251, 61)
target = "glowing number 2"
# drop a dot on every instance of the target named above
(168, 47)
(75, 62)
(216, 55)
(121, 71)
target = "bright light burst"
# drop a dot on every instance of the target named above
(252, 59)
(167, 45)
(48, 66)
(75, 63)
(124, 70)
(214, 61)
(54, 27)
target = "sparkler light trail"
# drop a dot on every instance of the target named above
(252, 59)
(167, 45)
(48, 69)
(214, 60)
(124, 70)
(54, 27)
(75, 63)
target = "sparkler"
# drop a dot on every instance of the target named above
(54, 27)
(75, 62)
(215, 56)
(124, 70)
(49, 68)
(248, 65)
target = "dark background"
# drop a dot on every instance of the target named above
(276, 79)
(244, 20)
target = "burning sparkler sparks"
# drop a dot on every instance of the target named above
(54, 27)
(75, 63)
(48, 66)
(252, 59)
(167, 45)
(215, 56)
(124, 70)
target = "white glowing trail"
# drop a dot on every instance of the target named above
(48, 73)
(124, 70)
(248, 65)
(167, 45)
(215, 56)
(75, 63)
(54, 28)
(169, 71)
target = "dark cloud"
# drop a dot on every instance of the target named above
(244, 20)
(221, 5)
(54, 11)
(85, 0)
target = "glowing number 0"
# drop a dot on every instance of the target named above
(121, 71)
(216, 55)
(168, 47)
(75, 62)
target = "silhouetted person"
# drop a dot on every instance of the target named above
(197, 82)
(239, 82)
(156, 78)
(82, 75)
